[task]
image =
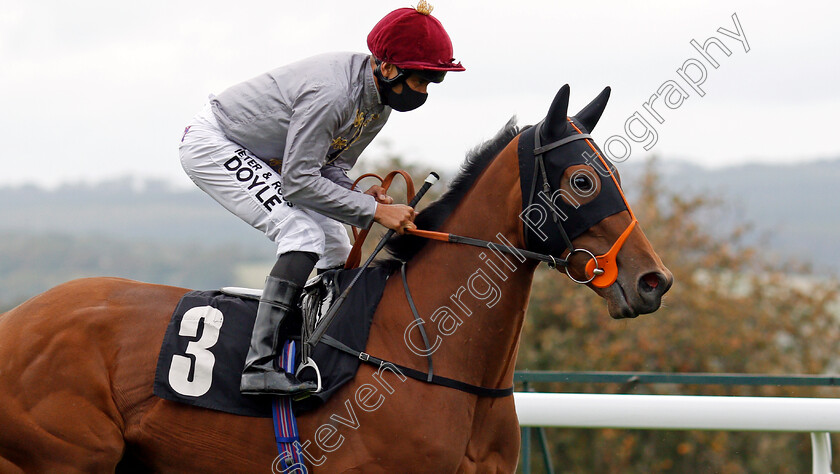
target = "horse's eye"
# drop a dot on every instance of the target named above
(582, 183)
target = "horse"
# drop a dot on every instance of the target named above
(77, 362)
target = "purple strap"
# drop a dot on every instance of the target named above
(285, 427)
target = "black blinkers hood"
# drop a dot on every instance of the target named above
(542, 234)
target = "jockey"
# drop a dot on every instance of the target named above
(275, 151)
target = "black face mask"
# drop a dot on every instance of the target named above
(408, 99)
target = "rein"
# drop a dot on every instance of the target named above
(354, 257)
(552, 261)
(359, 236)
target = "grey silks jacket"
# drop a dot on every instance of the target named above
(310, 120)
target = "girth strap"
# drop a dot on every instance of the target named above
(418, 375)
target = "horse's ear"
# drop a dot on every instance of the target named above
(589, 115)
(554, 127)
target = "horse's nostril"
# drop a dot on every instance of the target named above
(650, 281)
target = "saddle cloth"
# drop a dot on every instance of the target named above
(207, 340)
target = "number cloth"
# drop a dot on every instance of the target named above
(205, 345)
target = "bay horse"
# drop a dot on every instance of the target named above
(77, 362)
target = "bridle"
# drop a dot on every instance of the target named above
(600, 270)
(539, 170)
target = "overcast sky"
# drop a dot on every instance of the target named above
(98, 89)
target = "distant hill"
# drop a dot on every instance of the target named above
(146, 231)
(152, 231)
(30, 264)
(794, 209)
(144, 211)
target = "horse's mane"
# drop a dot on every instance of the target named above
(403, 247)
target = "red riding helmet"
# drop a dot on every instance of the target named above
(411, 38)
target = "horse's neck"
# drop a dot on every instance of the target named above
(474, 299)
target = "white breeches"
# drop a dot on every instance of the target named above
(248, 188)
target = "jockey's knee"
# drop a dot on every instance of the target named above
(303, 238)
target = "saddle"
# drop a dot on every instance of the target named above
(206, 342)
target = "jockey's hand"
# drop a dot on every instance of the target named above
(398, 217)
(379, 193)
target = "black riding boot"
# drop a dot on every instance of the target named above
(261, 375)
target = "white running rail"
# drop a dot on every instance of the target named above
(817, 416)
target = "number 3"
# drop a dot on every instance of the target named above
(179, 370)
